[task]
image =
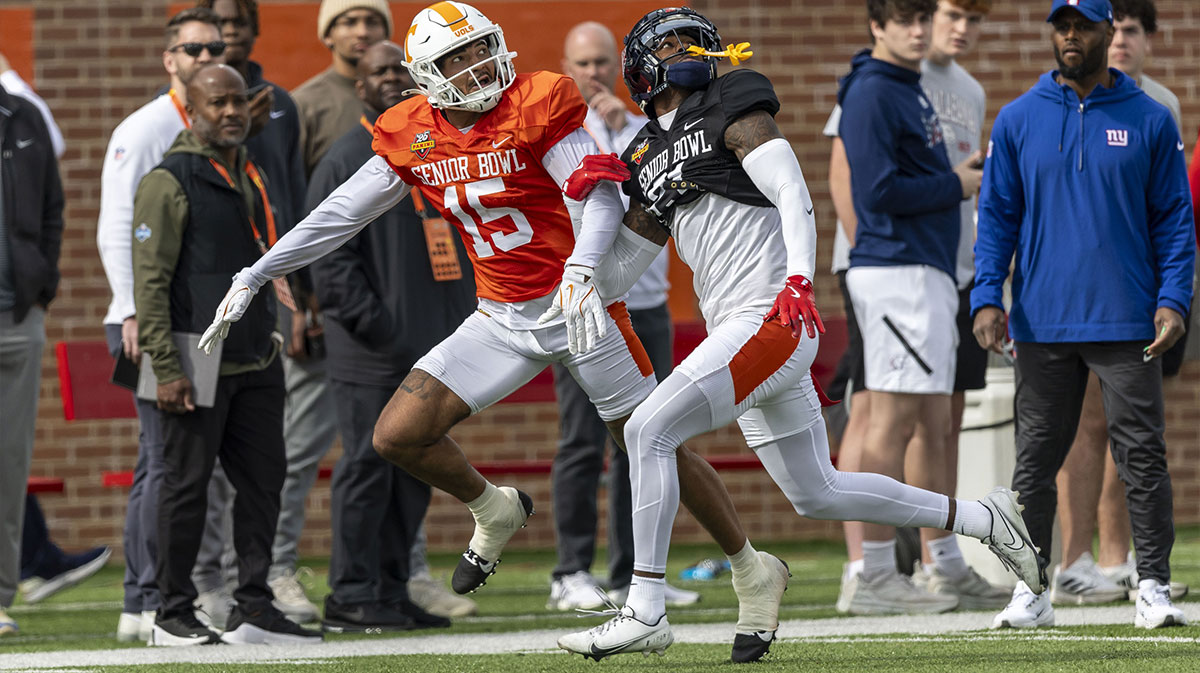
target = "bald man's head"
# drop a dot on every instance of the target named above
(382, 78)
(219, 106)
(590, 58)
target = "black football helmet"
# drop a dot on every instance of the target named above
(646, 75)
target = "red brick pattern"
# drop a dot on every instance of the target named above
(97, 61)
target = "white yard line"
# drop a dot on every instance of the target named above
(921, 628)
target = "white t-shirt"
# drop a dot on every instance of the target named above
(841, 242)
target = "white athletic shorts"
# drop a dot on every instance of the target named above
(483, 362)
(907, 318)
(758, 373)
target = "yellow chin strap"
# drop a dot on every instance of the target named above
(735, 54)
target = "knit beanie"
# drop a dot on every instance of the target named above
(332, 9)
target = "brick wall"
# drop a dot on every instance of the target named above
(97, 61)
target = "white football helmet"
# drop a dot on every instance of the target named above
(441, 29)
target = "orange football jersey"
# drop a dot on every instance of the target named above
(490, 183)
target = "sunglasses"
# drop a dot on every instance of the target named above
(193, 49)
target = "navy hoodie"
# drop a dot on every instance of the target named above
(1093, 199)
(906, 195)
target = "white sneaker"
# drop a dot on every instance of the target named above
(492, 532)
(1154, 609)
(759, 597)
(892, 594)
(577, 591)
(679, 598)
(212, 608)
(1009, 539)
(146, 629)
(973, 592)
(433, 597)
(291, 600)
(1082, 583)
(623, 633)
(1126, 576)
(129, 627)
(1026, 610)
(37, 589)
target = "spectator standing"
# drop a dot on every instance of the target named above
(1086, 184)
(1090, 489)
(30, 241)
(590, 58)
(203, 212)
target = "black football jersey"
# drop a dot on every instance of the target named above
(678, 166)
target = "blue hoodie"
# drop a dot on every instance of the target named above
(906, 196)
(1093, 199)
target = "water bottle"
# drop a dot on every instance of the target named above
(705, 570)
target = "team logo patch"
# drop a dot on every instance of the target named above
(119, 154)
(142, 233)
(640, 152)
(1117, 137)
(421, 144)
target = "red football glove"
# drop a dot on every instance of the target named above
(593, 169)
(795, 307)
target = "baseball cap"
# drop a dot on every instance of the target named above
(1094, 10)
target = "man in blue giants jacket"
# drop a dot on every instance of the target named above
(1085, 182)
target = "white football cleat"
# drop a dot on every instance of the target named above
(623, 633)
(1009, 539)
(1154, 608)
(1026, 610)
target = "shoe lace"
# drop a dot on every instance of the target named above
(1159, 596)
(611, 609)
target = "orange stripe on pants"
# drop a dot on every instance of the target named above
(762, 355)
(620, 315)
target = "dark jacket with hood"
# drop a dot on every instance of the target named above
(1092, 196)
(906, 195)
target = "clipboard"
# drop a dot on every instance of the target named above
(202, 370)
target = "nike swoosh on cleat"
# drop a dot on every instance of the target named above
(599, 652)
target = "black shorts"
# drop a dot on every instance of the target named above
(1172, 360)
(850, 369)
(971, 372)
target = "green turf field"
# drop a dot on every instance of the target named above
(512, 611)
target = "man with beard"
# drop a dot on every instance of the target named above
(192, 40)
(202, 213)
(329, 104)
(390, 294)
(1085, 183)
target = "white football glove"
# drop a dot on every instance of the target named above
(229, 311)
(578, 301)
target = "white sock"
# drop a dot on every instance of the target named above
(972, 519)
(647, 598)
(948, 557)
(879, 559)
(855, 568)
(745, 562)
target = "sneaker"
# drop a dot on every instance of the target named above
(76, 568)
(577, 591)
(1154, 609)
(1009, 539)
(1026, 610)
(1082, 583)
(267, 627)
(973, 592)
(758, 608)
(679, 598)
(182, 630)
(146, 630)
(481, 557)
(433, 597)
(892, 594)
(363, 618)
(129, 627)
(291, 600)
(213, 608)
(7, 624)
(1126, 576)
(623, 633)
(420, 618)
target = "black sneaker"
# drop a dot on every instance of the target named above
(266, 627)
(420, 618)
(363, 618)
(182, 630)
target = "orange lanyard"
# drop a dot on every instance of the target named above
(187, 124)
(366, 124)
(256, 178)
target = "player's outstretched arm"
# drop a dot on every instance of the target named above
(637, 245)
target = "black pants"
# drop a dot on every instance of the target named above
(1051, 380)
(579, 463)
(377, 507)
(244, 428)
